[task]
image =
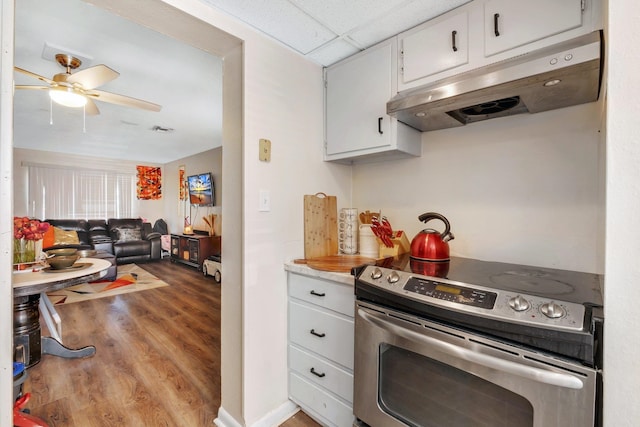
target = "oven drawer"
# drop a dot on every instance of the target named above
(328, 334)
(322, 373)
(332, 295)
(320, 403)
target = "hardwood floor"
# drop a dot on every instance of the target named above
(157, 361)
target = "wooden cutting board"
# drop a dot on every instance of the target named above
(320, 225)
(338, 263)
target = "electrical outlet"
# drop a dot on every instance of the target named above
(265, 150)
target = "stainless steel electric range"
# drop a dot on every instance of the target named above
(471, 342)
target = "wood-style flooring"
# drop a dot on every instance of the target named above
(157, 361)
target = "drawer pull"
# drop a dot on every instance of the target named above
(313, 332)
(317, 374)
(317, 294)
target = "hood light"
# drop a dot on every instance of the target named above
(421, 114)
(551, 83)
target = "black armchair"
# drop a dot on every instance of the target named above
(133, 240)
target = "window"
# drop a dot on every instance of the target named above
(56, 192)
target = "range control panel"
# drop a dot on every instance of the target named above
(453, 293)
(513, 307)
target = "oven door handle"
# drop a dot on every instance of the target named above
(529, 372)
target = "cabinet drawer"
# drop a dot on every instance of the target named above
(331, 295)
(319, 402)
(322, 373)
(322, 332)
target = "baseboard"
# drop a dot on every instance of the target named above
(272, 419)
(278, 415)
(225, 419)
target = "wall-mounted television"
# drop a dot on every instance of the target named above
(201, 189)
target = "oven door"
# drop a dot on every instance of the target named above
(412, 372)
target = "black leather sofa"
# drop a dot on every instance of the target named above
(129, 239)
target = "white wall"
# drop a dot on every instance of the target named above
(622, 290)
(175, 209)
(522, 189)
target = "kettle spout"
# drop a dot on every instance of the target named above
(447, 237)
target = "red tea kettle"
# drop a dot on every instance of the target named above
(429, 244)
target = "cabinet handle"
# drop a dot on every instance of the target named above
(317, 374)
(316, 293)
(380, 125)
(495, 24)
(453, 40)
(313, 332)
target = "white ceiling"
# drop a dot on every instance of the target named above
(326, 31)
(186, 81)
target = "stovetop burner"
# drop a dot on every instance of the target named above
(569, 286)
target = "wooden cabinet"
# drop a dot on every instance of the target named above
(434, 48)
(194, 249)
(358, 128)
(320, 348)
(512, 23)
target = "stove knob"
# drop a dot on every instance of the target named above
(552, 310)
(376, 273)
(519, 303)
(393, 277)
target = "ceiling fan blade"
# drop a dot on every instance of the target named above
(90, 108)
(31, 87)
(127, 101)
(93, 77)
(37, 76)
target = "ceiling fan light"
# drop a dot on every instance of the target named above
(67, 97)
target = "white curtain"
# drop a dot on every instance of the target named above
(61, 193)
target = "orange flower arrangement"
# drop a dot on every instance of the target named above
(29, 229)
(26, 232)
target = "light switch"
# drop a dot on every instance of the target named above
(265, 201)
(265, 150)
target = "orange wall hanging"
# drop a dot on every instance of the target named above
(149, 182)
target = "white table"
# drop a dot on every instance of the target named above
(30, 300)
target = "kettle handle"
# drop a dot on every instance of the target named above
(446, 234)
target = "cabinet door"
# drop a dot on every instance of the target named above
(435, 48)
(194, 250)
(512, 23)
(357, 93)
(175, 246)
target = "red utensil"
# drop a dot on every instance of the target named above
(382, 229)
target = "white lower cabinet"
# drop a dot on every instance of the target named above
(321, 348)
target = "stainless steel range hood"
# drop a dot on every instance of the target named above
(558, 76)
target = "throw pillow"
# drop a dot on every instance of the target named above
(65, 237)
(128, 234)
(49, 238)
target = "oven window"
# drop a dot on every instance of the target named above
(424, 392)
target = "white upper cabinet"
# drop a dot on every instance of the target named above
(357, 125)
(432, 49)
(489, 31)
(512, 23)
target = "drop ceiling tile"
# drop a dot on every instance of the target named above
(344, 16)
(333, 52)
(402, 19)
(281, 20)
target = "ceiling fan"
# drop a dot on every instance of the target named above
(78, 89)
